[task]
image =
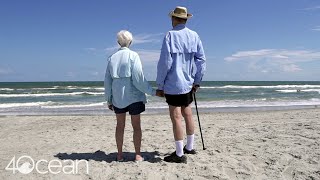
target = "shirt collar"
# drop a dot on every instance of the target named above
(122, 48)
(179, 26)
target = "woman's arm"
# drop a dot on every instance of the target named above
(138, 79)
(108, 85)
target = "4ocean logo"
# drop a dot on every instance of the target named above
(26, 165)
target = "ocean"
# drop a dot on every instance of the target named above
(87, 98)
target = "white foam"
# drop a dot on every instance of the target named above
(256, 103)
(162, 105)
(311, 90)
(266, 87)
(94, 93)
(31, 104)
(84, 88)
(262, 102)
(6, 89)
(287, 90)
(53, 88)
(75, 105)
(231, 91)
(298, 90)
(64, 87)
(51, 94)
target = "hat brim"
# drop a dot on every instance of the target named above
(179, 16)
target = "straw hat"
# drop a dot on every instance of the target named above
(180, 12)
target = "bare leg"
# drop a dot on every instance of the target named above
(121, 122)
(187, 114)
(137, 135)
(175, 115)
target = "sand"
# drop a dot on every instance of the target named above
(247, 145)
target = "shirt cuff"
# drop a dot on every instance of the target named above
(160, 88)
(197, 81)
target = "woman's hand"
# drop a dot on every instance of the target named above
(159, 93)
(110, 107)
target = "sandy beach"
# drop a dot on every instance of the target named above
(247, 145)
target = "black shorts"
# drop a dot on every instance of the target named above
(179, 99)
(134, 108)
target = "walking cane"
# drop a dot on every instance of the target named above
(195, 102)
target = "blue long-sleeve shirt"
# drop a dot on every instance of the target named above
(181, 48)
(124, 80)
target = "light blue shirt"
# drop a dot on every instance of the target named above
(124, 80)
(181, 49)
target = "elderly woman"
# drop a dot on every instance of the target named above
(125, 89)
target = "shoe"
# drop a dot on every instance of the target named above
(186, 151)
(175, 159)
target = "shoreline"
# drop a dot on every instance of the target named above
(159, 111)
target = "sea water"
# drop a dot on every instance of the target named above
(87, 98)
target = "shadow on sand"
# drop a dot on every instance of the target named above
(152, 157)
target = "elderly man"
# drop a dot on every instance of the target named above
(181, 49)
(125, 88)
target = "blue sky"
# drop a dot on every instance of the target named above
(70, 40)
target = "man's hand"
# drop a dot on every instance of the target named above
(159, 93)
(110, 107)
(195, 88)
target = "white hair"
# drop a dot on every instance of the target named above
(124, 38)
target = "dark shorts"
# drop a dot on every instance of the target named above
(134, 108)
(179, 99)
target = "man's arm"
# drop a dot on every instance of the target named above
(200, 62)
(165, 62)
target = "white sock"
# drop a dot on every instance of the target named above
(190, 140)
(179, 148)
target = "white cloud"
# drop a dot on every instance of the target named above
(113, 48)
(274, 60)
(71, 74)
(248, 54)
(312, 8)
(100, 52)
(291, 68)
(147, 38)
(95, 73)
(5, 71)
(317, 28)
(90, 49)
(148, 55)
(276, 54)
